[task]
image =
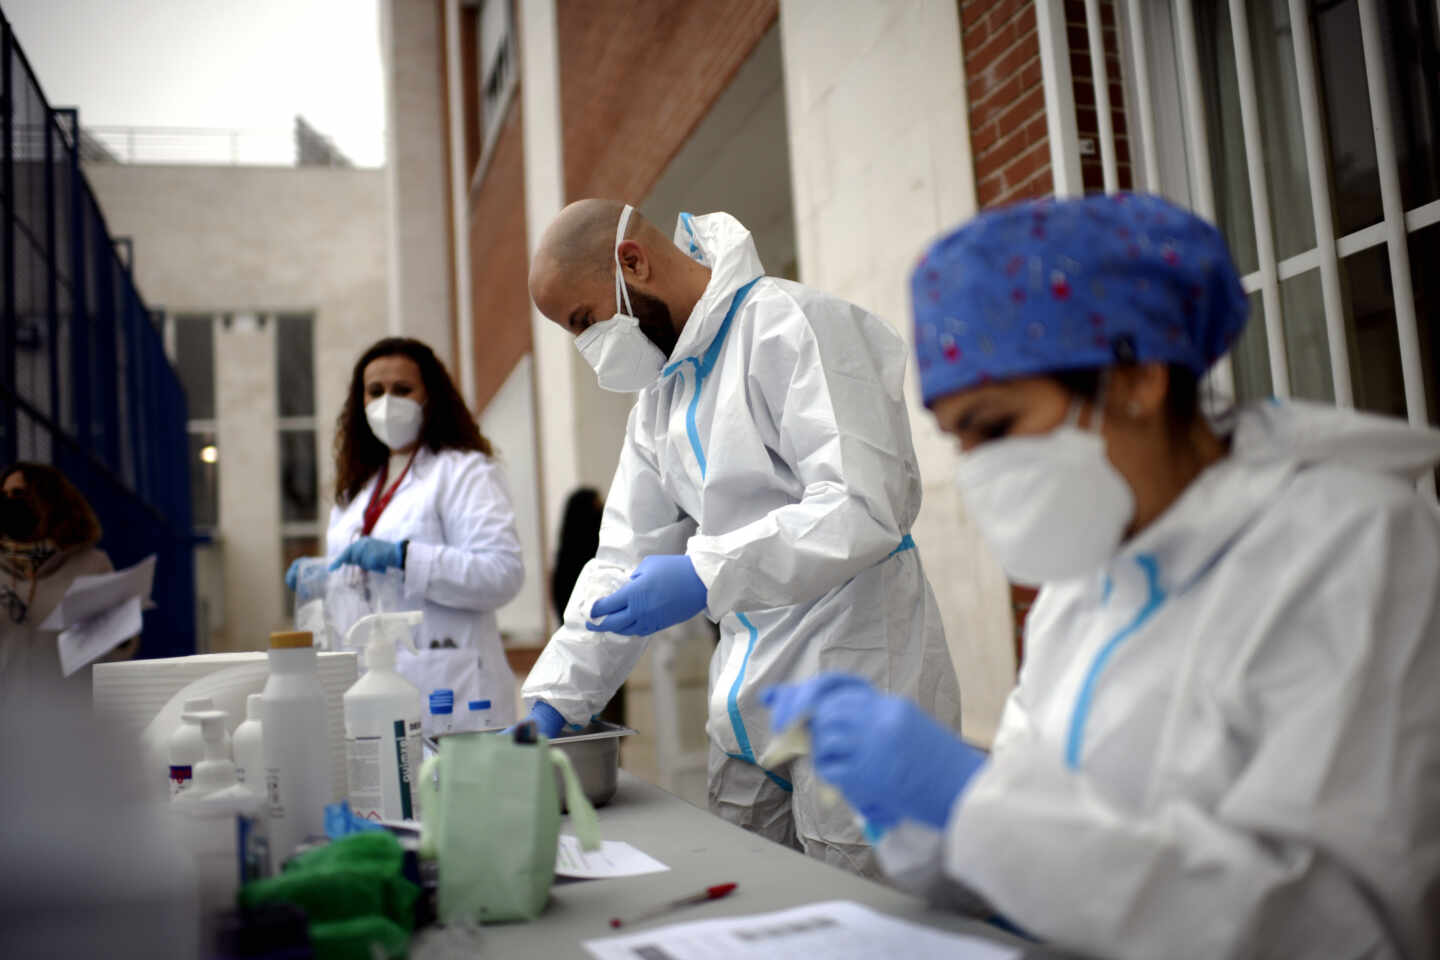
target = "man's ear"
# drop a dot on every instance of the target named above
(634, 261)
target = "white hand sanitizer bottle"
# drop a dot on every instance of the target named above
(383, 718)
(219, 822)
(296, 746)
(187, 746)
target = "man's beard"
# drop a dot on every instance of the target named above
(654, 318)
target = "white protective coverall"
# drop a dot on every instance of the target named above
(1227, 743)
(774, 450)
(463, 564)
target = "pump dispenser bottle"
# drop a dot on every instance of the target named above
(219, 822)
(383, 716)
(187, 746)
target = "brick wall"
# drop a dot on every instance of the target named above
(1007, 100)
(499, 262)
(1008, 133)
(637, 76)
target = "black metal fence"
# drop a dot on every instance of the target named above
(84, 381)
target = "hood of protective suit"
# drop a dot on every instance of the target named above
(1313, 433)
(722, 243)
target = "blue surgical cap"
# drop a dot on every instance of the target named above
(1054, 285)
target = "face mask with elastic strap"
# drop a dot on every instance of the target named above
(1050, 507)
(623, 358)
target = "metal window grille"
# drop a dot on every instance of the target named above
(84, 381)
(1161, 35)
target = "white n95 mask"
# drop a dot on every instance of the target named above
(1050, 507)
(624, 359)
(395, 421)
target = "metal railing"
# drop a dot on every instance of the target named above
(301, 145)
(84, 382)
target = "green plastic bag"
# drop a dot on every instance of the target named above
(356, 900)
(493, 822)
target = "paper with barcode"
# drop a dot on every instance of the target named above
(836, 930)
(613, 859)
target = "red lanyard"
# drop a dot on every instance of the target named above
(378, 500)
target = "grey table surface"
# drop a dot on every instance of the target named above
(701, 851)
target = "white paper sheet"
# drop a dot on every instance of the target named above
(613, 859)
(90, 596)
(836, 930)
(91, 639)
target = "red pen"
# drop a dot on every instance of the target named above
(704, 896)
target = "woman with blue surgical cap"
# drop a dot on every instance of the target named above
(1225, 740)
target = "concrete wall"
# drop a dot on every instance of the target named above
(737, 160)
(509, 422)
(417, 174)
(880, 161)
(229, 239)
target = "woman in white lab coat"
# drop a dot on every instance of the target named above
(1225, 740)
(418, 489)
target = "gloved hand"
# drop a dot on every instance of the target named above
(664, 590)
(886, 755)
(292, 576)
(795, 703)
(547, 720)
(371, 554)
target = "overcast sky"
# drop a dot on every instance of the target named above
(250, 64)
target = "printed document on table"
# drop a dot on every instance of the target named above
(613, 859)
(836, 930)
(91, 639)
(92, 595)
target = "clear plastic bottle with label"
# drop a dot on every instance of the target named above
(383, 718)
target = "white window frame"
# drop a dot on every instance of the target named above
(498, 16)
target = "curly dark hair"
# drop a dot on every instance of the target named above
(448, 423)
(66, 517)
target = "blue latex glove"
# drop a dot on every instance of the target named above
(547, 720)
(664, 590)
(795, 703)
(292, 576)
(371, 554)
(886, 755)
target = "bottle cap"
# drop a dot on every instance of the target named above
(292, 640)
(479, 704)
(196, 704)
(442, 701)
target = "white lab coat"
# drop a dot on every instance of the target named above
(1227, 743)
(463, 564)
(787, 475)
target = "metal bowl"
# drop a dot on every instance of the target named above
(595, 754)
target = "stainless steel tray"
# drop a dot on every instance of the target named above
(595, 754)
